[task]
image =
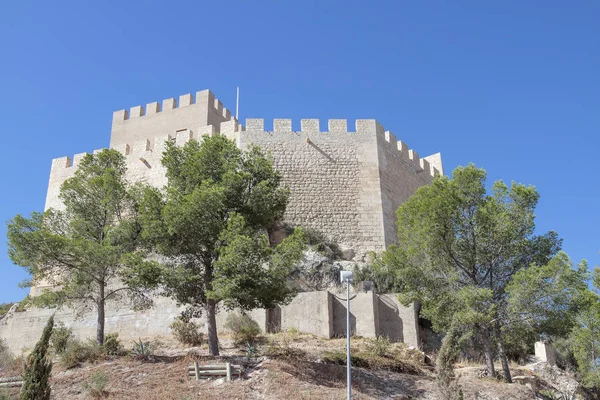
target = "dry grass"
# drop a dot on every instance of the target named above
(295, 372)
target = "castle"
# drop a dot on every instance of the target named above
(345, 182)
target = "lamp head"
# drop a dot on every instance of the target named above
(346, 276)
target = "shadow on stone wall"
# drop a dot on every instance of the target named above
(339, 319)
(390, 322)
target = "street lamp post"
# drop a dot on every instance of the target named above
(346, 276)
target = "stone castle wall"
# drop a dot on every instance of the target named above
(321, 313)
(345, 181)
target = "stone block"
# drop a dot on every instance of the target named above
(545, 352)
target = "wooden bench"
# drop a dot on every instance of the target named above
(215, 370)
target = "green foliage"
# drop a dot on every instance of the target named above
(586, 343)
(382, 276)
(209, 225)
(187, 332)
(251, 350)
(36, 385)
(459, 247)
(83, 250)
(547, 297)
(96, 385)
(565, 356)
(78, 352)
(112, 345)
(449, 352)
(61, 337)
(245, 330)
(141, 348)
(379, 346)
(4, 308)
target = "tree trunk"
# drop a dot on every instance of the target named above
(100, 322)
(502, 353)
(211, 321)
(488, 351)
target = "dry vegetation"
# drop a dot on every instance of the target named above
(289, 365)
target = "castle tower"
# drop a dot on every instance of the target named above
(346, 182)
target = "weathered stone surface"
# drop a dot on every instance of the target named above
(545, 352)
(345, 183)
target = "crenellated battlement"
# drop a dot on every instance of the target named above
(421, 165)
(340, 127)
(312, 126)
(204, 97)
(155, 146)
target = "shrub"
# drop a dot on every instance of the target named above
(187, 332)
(283, 348)
(112, 345)
(6, 357)
(96, 385)
(78, 352)
(244, 329)
(4, 308)
(141, 349)
(379, 346)
(61, 336)
(38, 368)
(251, 350)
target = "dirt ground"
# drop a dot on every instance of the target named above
(164, 377)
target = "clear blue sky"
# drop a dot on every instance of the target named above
(513, 86)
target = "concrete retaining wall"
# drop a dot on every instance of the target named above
(320, 313)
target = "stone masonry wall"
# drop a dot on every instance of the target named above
(333, 177)
(155, 119)
(345, 183)
(319, 312)
(401, 173)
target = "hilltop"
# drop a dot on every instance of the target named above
(288, 365)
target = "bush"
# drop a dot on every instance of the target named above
(78, 352)
(379, 346)
(282, 347)
(96, 386)
(565, 356)
(142, 349)
(244, 329)
(112, 345)
(187, 332)
(4, 308)
(6, 357)
(61, 336)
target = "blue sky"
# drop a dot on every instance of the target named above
(513, 86)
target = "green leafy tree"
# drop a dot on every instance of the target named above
(586, 337)
(545, 299)
(38, 368)
(209, 227)
(458, 249)
(86, 250)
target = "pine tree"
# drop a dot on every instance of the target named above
(38, 368)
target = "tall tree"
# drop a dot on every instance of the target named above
(459, 247)
(87, 249)
(36, 385)
(209, 225)
(586, 336)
